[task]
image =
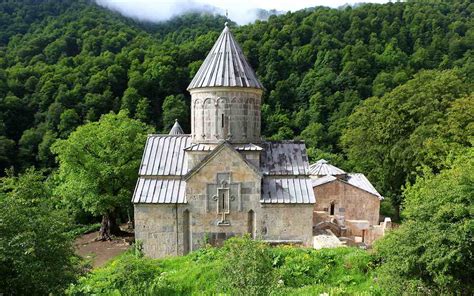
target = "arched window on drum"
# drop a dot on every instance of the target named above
(222, 127)
(208, 124)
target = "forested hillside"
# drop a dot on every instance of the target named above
(66, 63)
(385, 90)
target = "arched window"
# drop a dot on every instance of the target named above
(208, 124)
(186, 232)
(222, 120)
(251, 223)
(331, 210)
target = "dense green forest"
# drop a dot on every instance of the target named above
(65, 63)
(385, 90)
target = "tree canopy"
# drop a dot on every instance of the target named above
(431, 252)
(393, 137)
(65, 64)
(98, 165)
(36, 253)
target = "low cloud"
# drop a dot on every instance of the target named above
(240, 11)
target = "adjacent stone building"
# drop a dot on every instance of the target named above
(222, 180)
(348, 200)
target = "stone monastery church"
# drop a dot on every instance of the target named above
(222, 180)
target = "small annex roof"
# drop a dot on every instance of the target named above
(176, 129)
(361, 181)
(355, 179)
(225, 66)
(323, 168)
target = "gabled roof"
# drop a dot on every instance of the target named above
(323, 180)
(164, 155)
(163, 165)
(323, 168)
(361, 181)
(226, 66)
(152, 190)
(214, 153)
(176, 129)
(287, 190)
(354, 179)
(284, 158)
(164, 170)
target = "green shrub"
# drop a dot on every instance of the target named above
(78, 230)
(247, 267)
(36, 252)
(129, 274)
(300, 268)
(242, 267)
(431, 253)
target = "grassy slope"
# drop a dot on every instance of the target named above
(343, 271)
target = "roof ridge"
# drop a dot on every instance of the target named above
(168, 135)
(213, 153)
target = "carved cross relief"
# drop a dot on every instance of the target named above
(224, 197)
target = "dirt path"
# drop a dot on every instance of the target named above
(99, 252)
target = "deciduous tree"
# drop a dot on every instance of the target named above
(98, 165)
(36, 253)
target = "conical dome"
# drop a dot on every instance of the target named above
(176, 129)
(225, 66)
(323, 168)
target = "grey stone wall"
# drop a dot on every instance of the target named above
(231, 114)
(155, 227)
(160, 227)
(286, 222)
(244, 188)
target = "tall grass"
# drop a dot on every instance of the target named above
(241, 267)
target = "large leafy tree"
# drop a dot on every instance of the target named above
(36, 253)
(432, 252)
(392, 137)
(98, 165)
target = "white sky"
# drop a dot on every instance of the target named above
(239, 10)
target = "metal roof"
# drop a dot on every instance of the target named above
(200, 147)
(247, 147)
(164, 166)
(323, 168)
(226, 66)
(164, 155)
(176, 129)
(284, 158)
(287, 190)
(223, 145)
(152, 190)
(361, 181)
(355, 179)
(323, 180)
(210, 147)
